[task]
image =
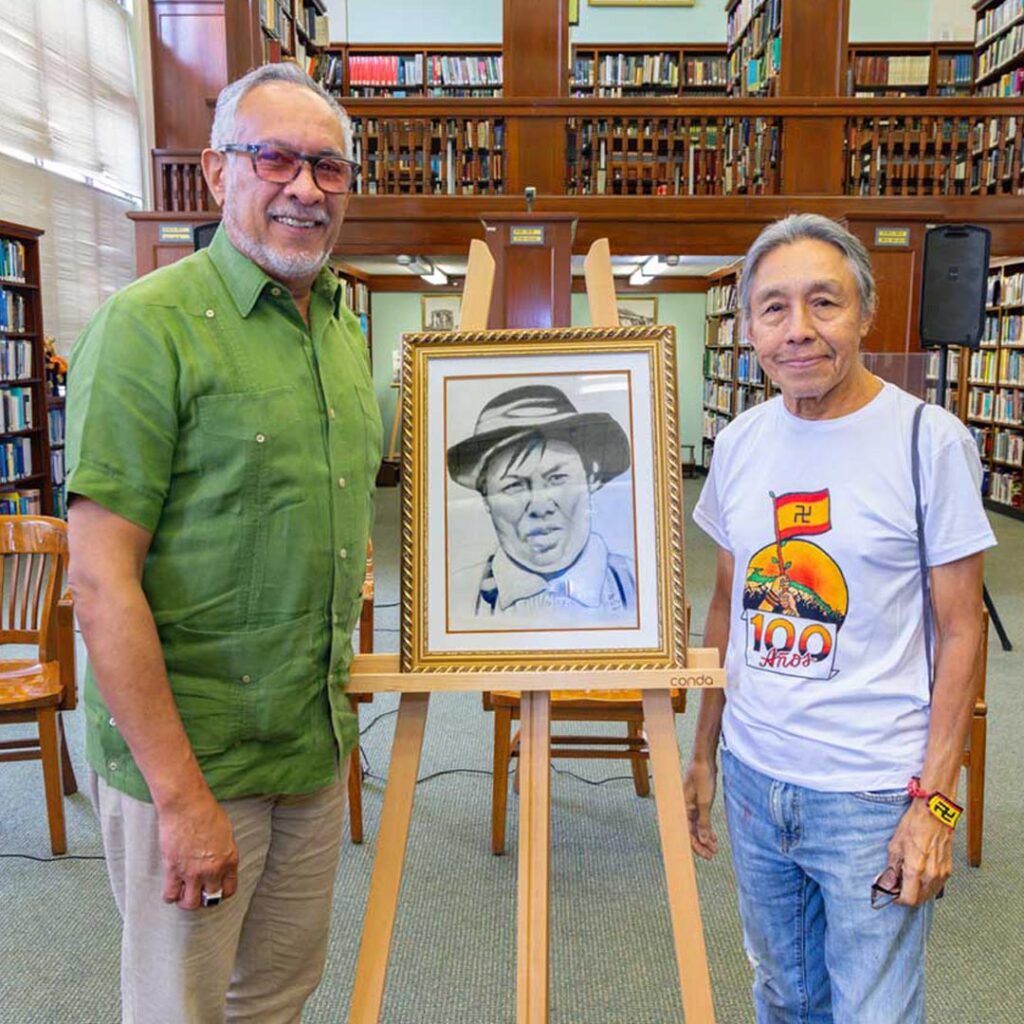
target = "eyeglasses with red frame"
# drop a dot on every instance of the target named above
(279, 164)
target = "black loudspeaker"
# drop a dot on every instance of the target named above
(955, 277)
(202, 234)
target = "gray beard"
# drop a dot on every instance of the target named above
(282, 266)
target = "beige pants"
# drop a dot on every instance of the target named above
(257, 956)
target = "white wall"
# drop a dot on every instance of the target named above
(415, 21)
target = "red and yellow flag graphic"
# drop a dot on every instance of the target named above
(801, 513)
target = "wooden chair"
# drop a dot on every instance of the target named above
(34, 555)
(624, 706)
(355, 768)
(974, 755)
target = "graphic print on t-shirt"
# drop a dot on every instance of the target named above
(795, 596)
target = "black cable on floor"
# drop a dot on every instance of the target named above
(52, 860)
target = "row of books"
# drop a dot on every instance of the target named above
(757, 72)
(356, 295)
(718, 362)
(722, 332)
(1012, 291)
(317, 26)
(718, 396)
(711, 423)
(748, 369)
(721, 298)
(15, 358)
(12, 310)
(895, 70)
(15, 459)
(16, 409)
(661, 69)
(1005, 49)
(12, 259)
(28, 502)
(749, 396)
(990, 337)
(55, 424)
(1007, 86)
(1010, 331)
(932, 364)
(741, 16)
(60, 502)
(955, 69)
(1008, 446)
(466, 133)
(272, 17)
(982, 368)
(995, 19)
(1005, 406)
(1006, 488)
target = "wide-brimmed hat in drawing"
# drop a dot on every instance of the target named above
(545, 410)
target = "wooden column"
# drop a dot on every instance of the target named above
(536, 63)
(533, 268)
(814, 56)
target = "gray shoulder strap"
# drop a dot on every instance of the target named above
(926, 596)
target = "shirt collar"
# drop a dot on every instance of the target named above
(583, 581)
(246, 281)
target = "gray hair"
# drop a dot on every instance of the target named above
(796, 228)
(231, 95)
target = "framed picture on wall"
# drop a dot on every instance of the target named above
(441, 312)
(637, 311)
(541, 522)
(574, 12)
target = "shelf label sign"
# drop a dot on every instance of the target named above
(532, 235)
(892, 238)
(176, 234)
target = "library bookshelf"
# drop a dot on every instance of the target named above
(754, 46)
(25, 485)
(999, 48)
(910, 69)
(356, 295)
(292, 29)
(733, 378)
(672, 70)
(394, 71)
(993, 383)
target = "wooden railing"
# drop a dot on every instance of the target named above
(582, 147)
(178, 181)
(930, 155)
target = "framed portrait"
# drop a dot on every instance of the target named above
(637, 311)
(441, 312)
(541, 503)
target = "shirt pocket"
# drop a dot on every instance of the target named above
(251, 449)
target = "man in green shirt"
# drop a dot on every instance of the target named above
(223, 440)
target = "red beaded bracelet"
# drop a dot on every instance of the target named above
(946, 810)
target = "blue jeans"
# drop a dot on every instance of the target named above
(804, 863)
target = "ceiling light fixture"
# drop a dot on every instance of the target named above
(436, 276)
(638, 278)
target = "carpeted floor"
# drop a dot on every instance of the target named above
(453, 957)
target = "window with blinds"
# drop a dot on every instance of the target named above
(71, 152)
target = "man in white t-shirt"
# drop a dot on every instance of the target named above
(834, 743)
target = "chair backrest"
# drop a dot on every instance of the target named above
(34, 554)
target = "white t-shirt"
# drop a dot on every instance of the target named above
(826, 667)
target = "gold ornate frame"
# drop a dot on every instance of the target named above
(655, 341)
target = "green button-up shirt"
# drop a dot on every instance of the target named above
(203, 408)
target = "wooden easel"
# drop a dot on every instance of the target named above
(379, 673)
